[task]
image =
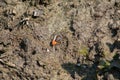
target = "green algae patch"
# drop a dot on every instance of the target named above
(83, 51)
(103, 64)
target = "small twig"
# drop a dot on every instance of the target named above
(8, 65)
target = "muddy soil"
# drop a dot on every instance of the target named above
(59, 39)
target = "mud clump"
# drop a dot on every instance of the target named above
(59, 39)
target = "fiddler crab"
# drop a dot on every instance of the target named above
(56, 40)
(24, 21)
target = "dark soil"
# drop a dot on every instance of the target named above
(86, 32)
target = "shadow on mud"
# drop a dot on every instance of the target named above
(88, 73)
(115, 45)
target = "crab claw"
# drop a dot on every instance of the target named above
(54, 42)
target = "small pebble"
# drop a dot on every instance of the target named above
(118, 11)
(48, 50)
(37, 13)
(78, 64)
